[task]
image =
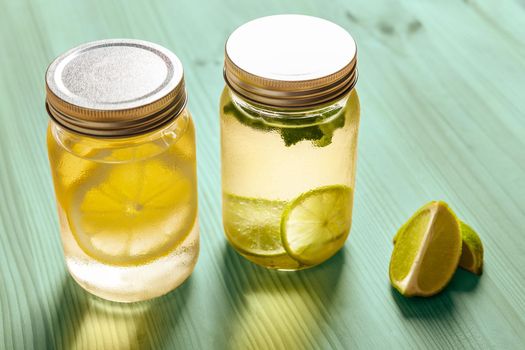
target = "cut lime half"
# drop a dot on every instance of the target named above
(314, 226)
(471, 248)
(427, 251)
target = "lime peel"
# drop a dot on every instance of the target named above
(472, 250)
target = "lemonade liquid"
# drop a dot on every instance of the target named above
(127, 209)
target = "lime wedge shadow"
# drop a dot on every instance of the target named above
(425, 315)
(464, 281)
(440, 306)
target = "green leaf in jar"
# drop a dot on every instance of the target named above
(320, 133)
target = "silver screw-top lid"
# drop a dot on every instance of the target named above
(290, 61)
(116, 87)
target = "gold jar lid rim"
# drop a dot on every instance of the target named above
(115, 87)
(290, 61)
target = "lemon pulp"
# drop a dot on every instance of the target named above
(132, 213)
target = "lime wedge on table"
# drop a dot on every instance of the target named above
(427, 251)
(472, 250)
(315, 225)
(253, 224)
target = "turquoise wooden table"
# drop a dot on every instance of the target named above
(442, 86)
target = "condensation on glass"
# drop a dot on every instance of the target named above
(121, 147)
(289, 127)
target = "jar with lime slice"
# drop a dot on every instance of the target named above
(121, 147)
(289, 125)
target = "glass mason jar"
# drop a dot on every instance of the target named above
(121, 147)
(289, 125)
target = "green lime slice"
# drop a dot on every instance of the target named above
(252, 225)
(471, 251)
(314, 226)
(427, 251)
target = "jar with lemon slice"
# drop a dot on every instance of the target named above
(121, 146)
(289, 125)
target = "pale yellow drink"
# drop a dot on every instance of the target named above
(289, 125)
(267, 163)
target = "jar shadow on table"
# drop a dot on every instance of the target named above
(264, 308)
(440, 306)
(83, 321)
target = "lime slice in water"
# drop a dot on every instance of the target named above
(314, 226)
(426, 252)
(253, 224)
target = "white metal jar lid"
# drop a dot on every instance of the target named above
(115, 87)
(290, 61)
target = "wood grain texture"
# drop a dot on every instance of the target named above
(442, 87)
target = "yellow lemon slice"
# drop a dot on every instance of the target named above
(132, 213)
(70, 168)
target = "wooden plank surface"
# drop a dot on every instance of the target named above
(442, 87)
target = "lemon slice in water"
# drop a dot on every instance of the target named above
(314, 226)
(132, 213)
(426, 252)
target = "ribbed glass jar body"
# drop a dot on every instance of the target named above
(127, 208)
(285, 174)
